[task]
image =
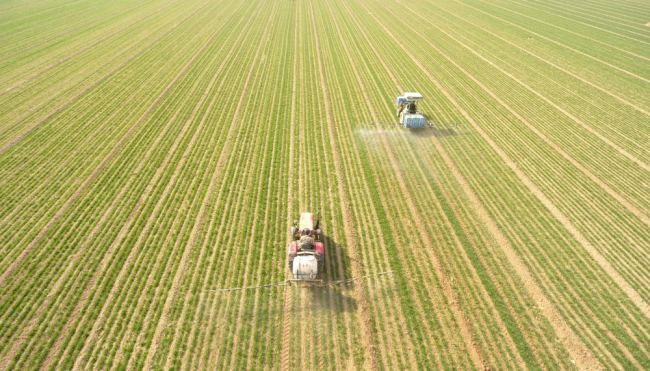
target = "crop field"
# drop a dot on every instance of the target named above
(154, 154)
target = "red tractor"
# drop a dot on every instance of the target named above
(306, 252)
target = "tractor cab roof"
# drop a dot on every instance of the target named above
(412, 96)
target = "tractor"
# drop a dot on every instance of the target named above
(306, 251)
(407, 111)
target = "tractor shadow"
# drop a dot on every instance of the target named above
(332, 297)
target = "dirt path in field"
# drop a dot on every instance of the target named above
(350, 233)
(466, 333)
(377, 264)
(500, 323)
(584, 359)
(595, 254)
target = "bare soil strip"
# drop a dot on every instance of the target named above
(584, 359)
(370, 219)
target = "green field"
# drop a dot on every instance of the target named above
(155, 152)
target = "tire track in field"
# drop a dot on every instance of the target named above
(409, 346)
(466, 333)
(584, 309)
(456, 240)
(366, 335)
(554, 65)
(612, 193)
(595, 254)
(561, 44)
(335, 268)
(354, 169)
(335, 260)
(584, 359)
(142, 199)
(366, 221)
(459, 67)
(94, 173)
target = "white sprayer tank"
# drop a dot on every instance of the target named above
(305, 267)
